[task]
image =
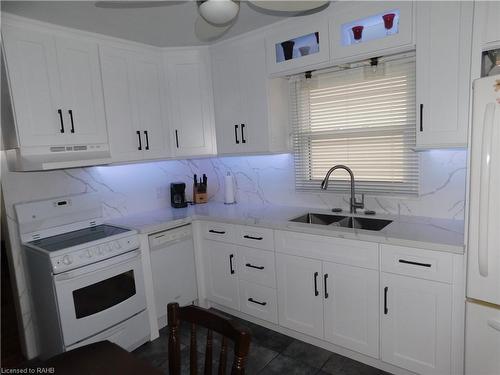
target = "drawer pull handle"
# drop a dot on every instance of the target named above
(257, 302)
(386, 310)
(256, 267)
(415, 263)
(231, 263)
(216, 231)
(316, 293)
(253, 238)
(326, 291)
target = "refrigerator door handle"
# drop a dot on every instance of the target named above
(484, 197)
(495, 324)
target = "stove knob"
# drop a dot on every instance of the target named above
(67, 260)
(116, 245)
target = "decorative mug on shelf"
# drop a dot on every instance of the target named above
(288, 49)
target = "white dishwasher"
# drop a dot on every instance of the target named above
(173, 268)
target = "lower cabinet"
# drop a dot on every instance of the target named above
(332, 301)
(351, 307)
(241, 278)
(300, 297)
(416, 324)
(221, 278)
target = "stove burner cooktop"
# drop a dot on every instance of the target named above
(77, 237)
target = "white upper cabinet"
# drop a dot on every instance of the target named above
(82, 89)
(56, 88)
(359, 30)
(443, 73)
(191, 103)
(299, 45)
(251, 111)
(487, 24)
(134, 100)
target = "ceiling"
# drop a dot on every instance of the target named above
(166, 26)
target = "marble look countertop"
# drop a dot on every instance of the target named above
(414, 231)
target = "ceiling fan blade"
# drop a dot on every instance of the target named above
(289, 6)
(134, 4)
(206, 32)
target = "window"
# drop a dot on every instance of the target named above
(363, 117)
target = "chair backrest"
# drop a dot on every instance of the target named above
(227, 328)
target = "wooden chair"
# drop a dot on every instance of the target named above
(227, 328)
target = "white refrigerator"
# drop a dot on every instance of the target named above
(482, 346)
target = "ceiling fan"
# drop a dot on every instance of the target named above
(215, 17)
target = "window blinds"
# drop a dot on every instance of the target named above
(362, 117)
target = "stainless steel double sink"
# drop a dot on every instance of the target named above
(342, 221)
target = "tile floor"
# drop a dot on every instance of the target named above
(270, 353)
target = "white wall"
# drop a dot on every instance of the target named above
(261, 180)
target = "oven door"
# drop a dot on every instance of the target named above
(98, 296)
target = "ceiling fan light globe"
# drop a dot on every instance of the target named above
(219, 12)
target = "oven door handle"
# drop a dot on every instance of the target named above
(99, 266)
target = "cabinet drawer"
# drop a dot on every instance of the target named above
(425, 264)
(261, 238)
(218, 231)
(258, 301)
(337, 250)
(256, 266)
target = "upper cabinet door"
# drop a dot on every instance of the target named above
(35, 87)
(443, 73)
(83, 108)
(253, 77)
(148, 96)
(251, 110)
(191, 103)
(360, 30)
(230, 112)
(125, 142)
(488, 13)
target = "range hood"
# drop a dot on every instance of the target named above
(57, 157)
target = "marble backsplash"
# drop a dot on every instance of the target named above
(260, 180)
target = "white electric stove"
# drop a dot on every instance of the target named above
(86, 276)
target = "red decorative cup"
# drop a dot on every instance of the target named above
(357, 31)
(388, 20)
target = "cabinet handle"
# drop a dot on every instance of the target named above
(216, 231)
(147, 139)
(243, 140)
(253, 238)
(256, 267)
(415, 263)
(70, 111)
(177, 138)
(140, 143)
(236, 134)
(61, 119)
(421, 117)
(325, 280)
(231, 263)
(386, 310)
(257, 302)
(316, 293)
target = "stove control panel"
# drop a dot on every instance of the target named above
(94, 253)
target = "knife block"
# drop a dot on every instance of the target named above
(200, 194)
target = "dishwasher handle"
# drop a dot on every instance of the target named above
(166, 238)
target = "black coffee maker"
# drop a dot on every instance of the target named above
(178, 194)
